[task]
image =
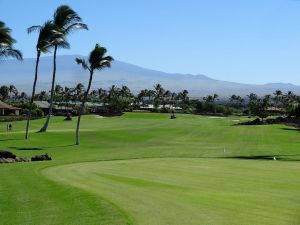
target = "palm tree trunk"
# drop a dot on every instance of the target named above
(45, 127)
(82, 106)
(33, 92)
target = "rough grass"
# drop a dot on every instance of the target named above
(243, 188)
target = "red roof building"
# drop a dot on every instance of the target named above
(6, 109)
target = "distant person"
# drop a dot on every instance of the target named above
(10, 126)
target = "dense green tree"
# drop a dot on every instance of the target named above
(278, 97)
(259, 106)
(158, 95)
(236, 101)
(78, 92)
(12, 91)
(184, 99)
(4, 93)
(42, 96)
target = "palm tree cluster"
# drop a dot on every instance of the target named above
(11, 94)
(163, 99)
(52, 35)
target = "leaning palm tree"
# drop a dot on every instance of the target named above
(66, 20)
(6, 43)
(96, 61)
(47, 35)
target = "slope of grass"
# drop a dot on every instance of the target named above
(29, 194)
(192, 191)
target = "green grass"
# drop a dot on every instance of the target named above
(147, 169)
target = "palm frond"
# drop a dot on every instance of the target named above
(65, 16)
(10, 52)
(47, 34)
(33, 28)
(5, 37)
(62, 43)
(75, 26)
(97, 58)
(82, 62)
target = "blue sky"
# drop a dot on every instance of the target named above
(248, 41)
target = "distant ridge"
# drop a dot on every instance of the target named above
(135, 77)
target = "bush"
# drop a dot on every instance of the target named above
(295, 111)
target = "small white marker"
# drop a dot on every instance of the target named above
(274, 158)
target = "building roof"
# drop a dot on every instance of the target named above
(3, 105)
(42, 104)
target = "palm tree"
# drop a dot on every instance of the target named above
(6, 43)
(159, 91)
(102, 95)
(78, 91)
(67, 96)
(173, 104)
(141, 97)
(58, 93)
(278, 95)
(184, 99)
(23, 97)
(4, 93)
(12, 90)
(66, 20)
(96, 61)
(47, 35)
(42, 96)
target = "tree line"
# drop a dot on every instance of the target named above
(158, 99)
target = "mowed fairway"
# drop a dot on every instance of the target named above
(144, 168)
(192, 191)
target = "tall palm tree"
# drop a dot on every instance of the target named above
(96, 61)
(46, 39)
(66, 20)
(6, 43)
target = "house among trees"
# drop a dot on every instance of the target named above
(6, 110)
(43, 105)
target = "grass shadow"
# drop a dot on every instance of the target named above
(291, 129)
(267, 157)
(11, 139)
(28, 149)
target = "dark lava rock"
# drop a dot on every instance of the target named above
(41, 158)
(252, 122)
(7, 154)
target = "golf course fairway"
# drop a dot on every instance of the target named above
(191, 191)
(143, 168)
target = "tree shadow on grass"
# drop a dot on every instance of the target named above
(290, 129)
(268, 157)
(27, 149)
(39, 148)
(11, 139)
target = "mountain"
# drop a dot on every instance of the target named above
(136, 78)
